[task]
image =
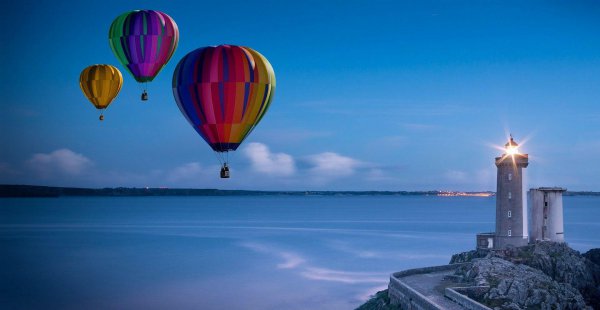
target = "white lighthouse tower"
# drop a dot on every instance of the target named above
(511, 208)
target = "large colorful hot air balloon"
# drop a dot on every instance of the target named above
(101, 84)
(224, 92)
(143, 41)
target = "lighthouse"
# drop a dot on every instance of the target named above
(511, 208)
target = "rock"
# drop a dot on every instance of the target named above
(380, 301)
(515, 286)
(543, 275)
(468, 256)
(562, 264)
(593, 255)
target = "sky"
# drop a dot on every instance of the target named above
(371, 95)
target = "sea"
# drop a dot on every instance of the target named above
(237, 252)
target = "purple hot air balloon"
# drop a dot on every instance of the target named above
(143, 41)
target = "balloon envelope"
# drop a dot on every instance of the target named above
(100, 84)
(223, 92)
(143, 41)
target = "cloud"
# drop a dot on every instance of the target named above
(185, 172)
(333, 165)
(263, 161)
(62, 161)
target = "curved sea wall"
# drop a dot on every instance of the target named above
(459, 296)
(405, 296)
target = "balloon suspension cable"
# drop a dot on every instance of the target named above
(218, 158)
(222, 160)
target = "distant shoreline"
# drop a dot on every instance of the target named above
(52, 191)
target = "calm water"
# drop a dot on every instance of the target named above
(236, 252)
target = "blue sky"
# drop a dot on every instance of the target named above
(371, 95)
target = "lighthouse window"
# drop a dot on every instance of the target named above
(509, 195)
(509, 214)
(509, 232)
(510, 176)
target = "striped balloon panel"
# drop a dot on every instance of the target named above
(143, 41)
(224, 92)
(100, 84)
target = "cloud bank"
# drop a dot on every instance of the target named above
(62, 162)
(263, 161)
(333, 165)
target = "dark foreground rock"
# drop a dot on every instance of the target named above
(379, 301)
(567, 270)
(543, 275)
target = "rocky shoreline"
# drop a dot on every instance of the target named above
(543, 275)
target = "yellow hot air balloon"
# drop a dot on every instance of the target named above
(101, 84)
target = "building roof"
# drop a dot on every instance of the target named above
(511, 142)
(550, 189)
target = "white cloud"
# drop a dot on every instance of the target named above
(264, 161)
(63, 161)
(331, 164)
(185, 172)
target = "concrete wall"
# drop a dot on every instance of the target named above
(458, 295)
(547, 214)
(509, 197)
(408, 298)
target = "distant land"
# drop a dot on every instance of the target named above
(50, 191)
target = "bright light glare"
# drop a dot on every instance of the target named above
(512, 150)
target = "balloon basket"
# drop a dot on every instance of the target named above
(225, 173)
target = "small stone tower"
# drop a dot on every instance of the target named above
(511, 209)
(547, 214)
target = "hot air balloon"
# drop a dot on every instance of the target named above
(143, 41)
(223, 92)
(101, 84)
